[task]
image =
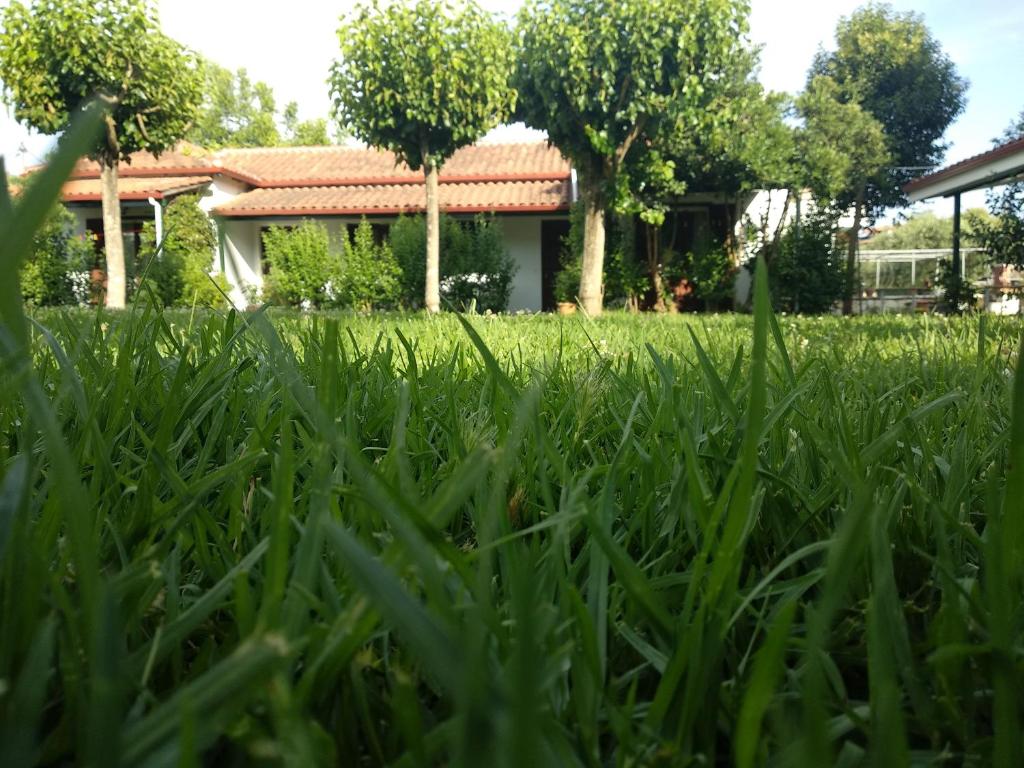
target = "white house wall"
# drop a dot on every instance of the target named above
(241, 258)
(242, 253)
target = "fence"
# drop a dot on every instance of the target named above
(906, 281)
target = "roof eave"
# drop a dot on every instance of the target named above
(989, 169)
(272, 212)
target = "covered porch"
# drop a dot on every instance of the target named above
(997, 167)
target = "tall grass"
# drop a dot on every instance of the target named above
(316, 540)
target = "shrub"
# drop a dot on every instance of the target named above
(370, 276)
(475, 265)
(179, 271)
(567, 279)
(51, 274)
(303, 266)
(710, 272)
(957, 293)
(808, 273)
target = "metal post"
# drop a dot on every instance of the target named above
(958, 266)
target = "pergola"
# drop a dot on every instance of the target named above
(1002, 165)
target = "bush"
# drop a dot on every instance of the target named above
(957, 293)
(808, 272)
(52, 273)
(370, 276)
(303, 266)
(475, 265)
(710, 272)
(179, 272)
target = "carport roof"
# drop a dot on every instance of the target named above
(998, 166)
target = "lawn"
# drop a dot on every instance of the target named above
(275, 539)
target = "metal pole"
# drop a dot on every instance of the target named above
(958, 266)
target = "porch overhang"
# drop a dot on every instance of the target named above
(1002, 165)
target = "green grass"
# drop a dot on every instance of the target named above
(396, 540)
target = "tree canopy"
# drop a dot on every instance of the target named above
(928, 231)
(303, 133)
(237, 112)
(841, 146)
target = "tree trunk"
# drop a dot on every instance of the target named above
(432, 295)
(654, 266)
(113, 239)
(851, 257)
(591, 289)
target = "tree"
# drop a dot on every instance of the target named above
(889, 65)
(598, 75)
(55, 56)
(842, 149)
(422, 80)
(235, 111)
(303, 133)
(928, 231)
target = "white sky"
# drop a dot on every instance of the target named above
(290, 45)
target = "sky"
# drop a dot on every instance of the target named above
(290, 45)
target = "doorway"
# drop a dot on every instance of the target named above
(552, 233)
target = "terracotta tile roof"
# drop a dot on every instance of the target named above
(184, 158)
(1009, 148)
(523, 176)
(471, 197)
(133, 188)
(327, 166)
(330, 166)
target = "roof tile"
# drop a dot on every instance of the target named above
(328, 166)
(183, 158)
(133, 188)
(479, 197)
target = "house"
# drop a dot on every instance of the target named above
(528, 186)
